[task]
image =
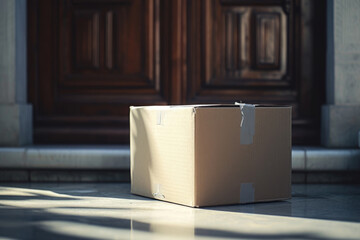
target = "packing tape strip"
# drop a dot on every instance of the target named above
(247, 123)
(160, 118)
(157, 194)
(247, 192)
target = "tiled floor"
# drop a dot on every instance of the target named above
(109, 211)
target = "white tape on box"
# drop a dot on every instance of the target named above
(160, 118)
(247, 193)
(247, 123)
(157, 194)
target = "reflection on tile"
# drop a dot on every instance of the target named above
(109, 211)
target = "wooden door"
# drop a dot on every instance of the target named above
(89, 60)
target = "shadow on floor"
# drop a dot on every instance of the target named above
(327, 202)
(22, 223)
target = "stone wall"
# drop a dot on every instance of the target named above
(341, 114)
(15, 113)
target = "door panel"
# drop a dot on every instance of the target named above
(246, 46)
(242, 47)
(109, 45)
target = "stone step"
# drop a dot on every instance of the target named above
(66, 157)
(117, 157)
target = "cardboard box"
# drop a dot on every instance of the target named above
(205, 155)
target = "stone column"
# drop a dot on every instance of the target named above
(15, 112)
(341, 114)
